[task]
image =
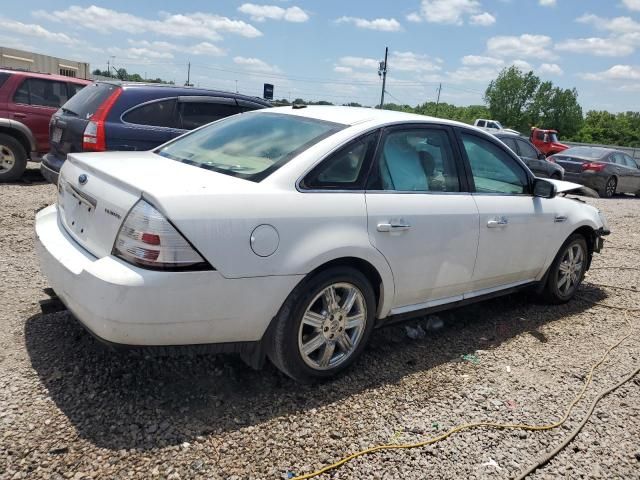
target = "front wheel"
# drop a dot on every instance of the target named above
(13, 159)
(567, 270)
(324, 325)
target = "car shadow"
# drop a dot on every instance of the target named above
(31, 176)
(127, 399)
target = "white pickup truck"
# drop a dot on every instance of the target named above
(492, 126)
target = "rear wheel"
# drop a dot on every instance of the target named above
(609, 189)
(13, 158)
(567, 270)
(324, 325)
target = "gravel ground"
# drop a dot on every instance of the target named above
(70, 408)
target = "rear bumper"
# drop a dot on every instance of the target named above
(122, 304)
(591, 180)
(49, 174)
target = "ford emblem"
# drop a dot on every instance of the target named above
(82, 179)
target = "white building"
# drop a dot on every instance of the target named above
(35, 62)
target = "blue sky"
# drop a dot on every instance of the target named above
(329, 49)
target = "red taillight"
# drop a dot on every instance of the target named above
(93, 139)
(593, 166)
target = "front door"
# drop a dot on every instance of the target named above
(421, 216)
(516, 228)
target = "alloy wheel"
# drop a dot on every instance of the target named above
(7, 158)
(570, 269)
(610, 188)
(332, 326)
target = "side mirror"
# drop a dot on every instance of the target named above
(541, 156)
(543, 188)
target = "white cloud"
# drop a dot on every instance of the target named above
(475, 60)
(414, 17)
(342, 69)
(382, 24)
(255, 65)
(159, 49)
(359, 62)
(550, 69)
(617, 72)
(526, 45)
(616, 25)
(260, 13)
(35, 31)
(411, 62)
(473, 74)
(484, 19)
(522, 65)
(547, 3)
(446, 11)
(206, 48)
(603, 47)
(632, 4)
(195, 25)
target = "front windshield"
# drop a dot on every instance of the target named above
(553, 138)
(250, 145)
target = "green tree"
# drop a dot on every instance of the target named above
(510, 97)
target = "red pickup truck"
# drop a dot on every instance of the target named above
(27, 102)
(546, 141)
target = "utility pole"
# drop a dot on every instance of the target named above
(236, 86)
(188, 84)
(382, 72)
(438, 100)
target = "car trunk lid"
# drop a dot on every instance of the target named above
(96, 191)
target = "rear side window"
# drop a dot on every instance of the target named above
(158, 114)
(86, 101)
(74, 88)
(45, 93)
(493, 169)
(345, 169)
(511, 143)
(3, 78)
(196, 114)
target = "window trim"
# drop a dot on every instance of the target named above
(366, 164)
(490, 138)
(143, 104)
(455, 149)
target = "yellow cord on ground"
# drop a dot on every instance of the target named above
(501, 426)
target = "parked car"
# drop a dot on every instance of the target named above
(292, 232)
(546, 141)
(492, 126)
(27, 101)
(606, 170)
(531, 156)
(113, 115)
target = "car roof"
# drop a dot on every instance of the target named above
(602, 150)
(182, 90)
(357, 115)
(510, 134)
(48, 76)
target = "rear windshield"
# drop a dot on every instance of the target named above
(588, 152)
(249, 145)
(86, 101)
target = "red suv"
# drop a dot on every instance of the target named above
(27, 102)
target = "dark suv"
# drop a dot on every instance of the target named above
(134, 116)
(27, 101)
(538, 163)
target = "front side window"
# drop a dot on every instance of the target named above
(249, 146)
(45, 93)
(343, 170)
(415, 160)
(630, 162)
(492, 168)
(156, 114)
(526, 150)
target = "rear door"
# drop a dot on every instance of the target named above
(145, 126)
(421, 216)
(634, 174)
(515, 227)
(34, 102)
(195, 111)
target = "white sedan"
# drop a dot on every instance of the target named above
(290, 233)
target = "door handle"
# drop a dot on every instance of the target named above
(20, 115)
(498, 222)
(560, 218)
(393, 227)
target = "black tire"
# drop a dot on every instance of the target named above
(553, 291)
(609, 189)
(555, 176)
(9, 146)
(283, 346)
